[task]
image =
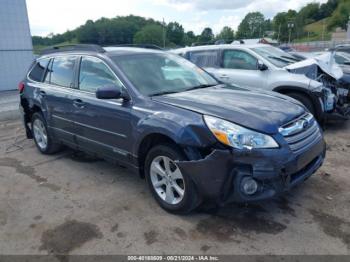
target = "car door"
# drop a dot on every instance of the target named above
(241, 68)
(206, 59)
(103, 126)
(56, 90)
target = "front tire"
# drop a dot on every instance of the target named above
(42, 137)
(305, 101)
(173, 190)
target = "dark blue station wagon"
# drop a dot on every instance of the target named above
(193, 138)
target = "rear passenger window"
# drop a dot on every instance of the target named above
(38, 70)
(62, 71)
(208, 58)
(94, 74)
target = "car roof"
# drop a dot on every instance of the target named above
(114, 51)
(216, 47)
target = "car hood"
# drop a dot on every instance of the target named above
(263, 112)
(324, 61)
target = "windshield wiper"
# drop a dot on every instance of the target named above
(199, 87)
(280, 59)
(164, 93)
(291, 58)
(188, 89)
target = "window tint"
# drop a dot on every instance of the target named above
(159, 73)
(94, 74)
(62, 71)
(38, 70)
(236, 59)
(207, 58)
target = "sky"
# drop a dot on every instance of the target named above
(58, 16)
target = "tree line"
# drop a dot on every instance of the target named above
(139, 30)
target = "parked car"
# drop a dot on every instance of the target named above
(339, 85)
(191, 137)
(267, 68)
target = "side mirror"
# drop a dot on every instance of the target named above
(111, 92)
(261, 66)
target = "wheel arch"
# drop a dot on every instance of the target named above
(285, 90)
(149, 141)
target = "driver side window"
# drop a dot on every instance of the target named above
(236, 59)
(94, 74)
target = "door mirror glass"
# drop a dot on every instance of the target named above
(108, 92)
(261, 66)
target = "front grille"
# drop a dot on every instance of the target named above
(301, 132)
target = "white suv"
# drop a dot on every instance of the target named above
(264, 67)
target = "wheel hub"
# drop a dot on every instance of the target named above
(167, 180)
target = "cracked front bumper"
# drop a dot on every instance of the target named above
(219, 175)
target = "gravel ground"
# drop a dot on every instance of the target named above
(70, 203)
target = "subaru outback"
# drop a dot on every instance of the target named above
(193, 139)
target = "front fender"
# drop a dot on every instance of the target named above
(179, 128)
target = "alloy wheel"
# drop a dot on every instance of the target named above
(40, 133)
(167, 180)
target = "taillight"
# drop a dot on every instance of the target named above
(21, 87)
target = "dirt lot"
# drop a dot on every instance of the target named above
(69, 203)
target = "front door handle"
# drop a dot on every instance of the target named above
(224, 76)
(78, 103)
(42, 93)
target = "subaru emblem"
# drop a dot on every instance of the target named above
(305, 124)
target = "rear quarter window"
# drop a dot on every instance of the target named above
(38, 71)
(208, 58)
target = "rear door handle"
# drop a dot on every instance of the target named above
(78, 103)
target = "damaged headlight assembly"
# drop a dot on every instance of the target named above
(237, 136)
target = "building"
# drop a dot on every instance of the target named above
(16, 49)
(253, 41)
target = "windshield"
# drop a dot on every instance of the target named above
(162, 73)
(276, 56)
(342, 58)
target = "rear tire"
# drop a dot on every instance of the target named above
(173, 190)
(43, 139)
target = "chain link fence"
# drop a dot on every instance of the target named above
(316, 46)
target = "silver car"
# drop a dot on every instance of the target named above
(264, 67)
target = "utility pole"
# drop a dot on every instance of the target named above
(290, 27)
(323, 29)
(279, 32)
(163, 33)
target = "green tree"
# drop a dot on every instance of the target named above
(226, 34)
(252, 26)
(340, 16)
(150, 34)
(175, 33)
(207, 35)
(190, 38)
(309, 14)
(280, 25)
(88, 33)
(328, 8)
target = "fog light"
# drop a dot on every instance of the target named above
(249, 186)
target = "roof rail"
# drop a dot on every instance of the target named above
(148, 46)
(73, 47)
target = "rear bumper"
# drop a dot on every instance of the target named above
(220, 174)
(26, 122)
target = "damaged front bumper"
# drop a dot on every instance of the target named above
(220, 175)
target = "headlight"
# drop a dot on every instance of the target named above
(236, 136)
